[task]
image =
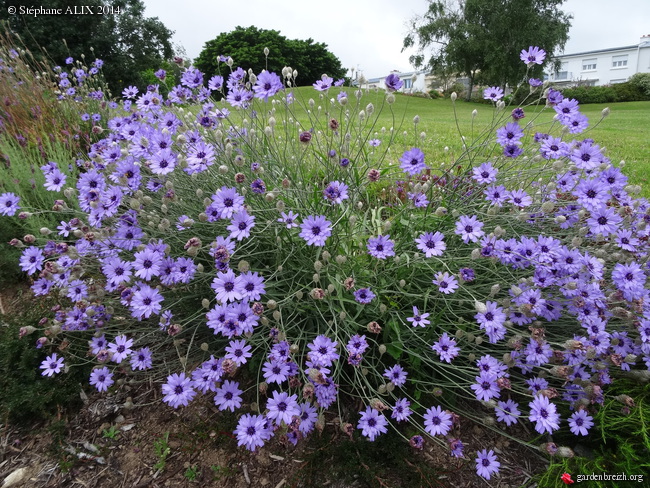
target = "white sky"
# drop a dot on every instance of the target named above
(368, 34)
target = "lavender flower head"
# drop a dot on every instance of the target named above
(393, 82)
(372, 423)
(487, 464)
(534, 55)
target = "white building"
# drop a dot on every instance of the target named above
(414, 81)
(604, 66)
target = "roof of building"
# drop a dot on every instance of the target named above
(596, 51)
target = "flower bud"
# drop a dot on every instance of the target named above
(454, 96)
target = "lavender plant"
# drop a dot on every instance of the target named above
(262, 236)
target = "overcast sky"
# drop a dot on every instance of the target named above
(368, 34)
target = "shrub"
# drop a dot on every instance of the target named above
(619, 92)
(642, 82)
(292, 241)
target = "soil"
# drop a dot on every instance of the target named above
(131, 439)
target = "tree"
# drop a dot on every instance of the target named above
(482, 39)
(246, 47)
(129, 43)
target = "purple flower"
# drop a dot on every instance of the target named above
(535, 82)
(396, 374)
(534, 55)
(576, 123)
(147, 264)
(276, 371)
(413, 162)
(364, 295)
(512, 151)
(54, 181)
(372, 423)
(241, 225)
(507, 412)
(258, 186)
(437, 421)
(393, 82)
(101, 378)
(120, 349)
(446, 284)
(308, 418)
(469, 228)
(227, 397)
(446, 348)
(227, 287)
(252, 431)
(315, 230)
(31, 260)
(486, 387)
(401, 410)
(52, 365)
(580, 422)
(381, 247)
(485, 173)
(336, 192)
(251, 285)
(493, 93)
(456, 447)
(178, 390)
(238, 352)
(519, 198)
(289, 219)
(228, 202)
(418, 319)
(282, 407)
(604, 220)
(486, 463)
(322, 351)
(543, 412)
(146, 301)
(511, 133)
(324, 84)
(374, 142)
(431, 244)
(267, 85)
(141, 359)
(77, 290)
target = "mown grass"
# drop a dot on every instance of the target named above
(624, 132)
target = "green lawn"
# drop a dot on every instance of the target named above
(624, 133)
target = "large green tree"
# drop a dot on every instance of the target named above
(129, 43)
(246, 47)
(482, 39)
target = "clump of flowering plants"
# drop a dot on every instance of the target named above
(261, 236)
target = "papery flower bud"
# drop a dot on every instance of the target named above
(382, 349)
(454, 96)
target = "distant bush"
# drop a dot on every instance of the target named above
(620, 92)
(642, 82)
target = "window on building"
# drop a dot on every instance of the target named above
(562, 75)
(619, 61)
(408, 83)
(619, 80)
(588, 64)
